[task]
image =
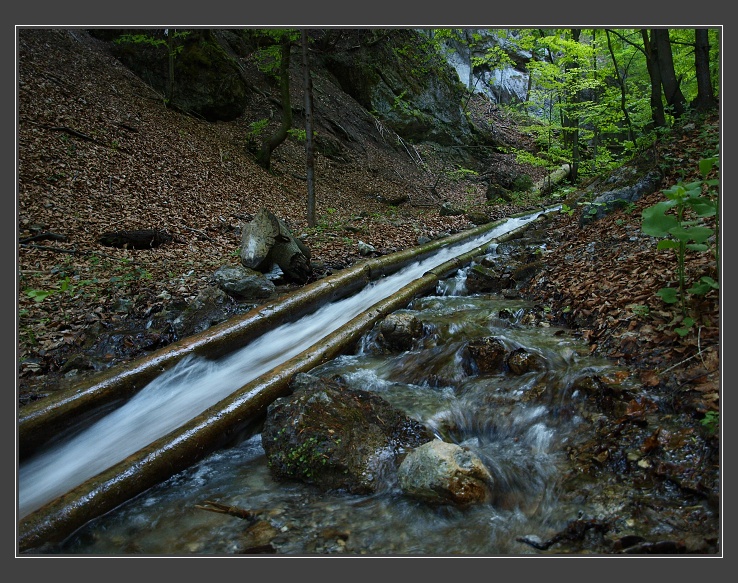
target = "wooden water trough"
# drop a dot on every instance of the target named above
(230, 418)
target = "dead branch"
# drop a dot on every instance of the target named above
(198, 231)
(44, 237)
(70, 251)
(211, 506)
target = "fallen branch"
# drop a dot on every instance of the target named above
(70, 251)
(211, 506)
(43, 237)
(198, 231)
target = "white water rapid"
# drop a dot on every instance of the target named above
(195, 384)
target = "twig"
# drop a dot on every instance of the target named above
(211, 506)
(198, 231)
(686, 359)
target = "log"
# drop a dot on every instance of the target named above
(233, 416)
(545, 185)
(141, 239)
(40, 421)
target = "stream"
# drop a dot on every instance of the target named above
(529, 428)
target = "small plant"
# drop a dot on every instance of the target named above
(256, 128)
(711, 421)
(298, 134)
(672, 219)
(640, 310)
(461, 173)
(566, 210)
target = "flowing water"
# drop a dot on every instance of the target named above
(520, 425)
(195, 384)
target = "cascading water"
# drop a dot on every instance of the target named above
(515, 423)
(195, 384)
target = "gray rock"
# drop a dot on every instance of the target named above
(243, 283)
(440, 473)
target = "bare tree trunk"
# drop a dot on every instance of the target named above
(265, 154)
(170, 80)
(571, 117)
(705, 99)
(669, 81)
(657, 106)
(309, 147)
(621, 83)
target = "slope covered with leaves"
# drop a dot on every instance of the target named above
(99, 152)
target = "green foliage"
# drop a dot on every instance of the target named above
(67, 285)
(268, 55)
(256, 128)
(677, 221)
(566, 210)
(299, 134)
(522, 183)
(711, 422)
(461, 173)
(154, 41)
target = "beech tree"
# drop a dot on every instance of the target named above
(705, 99)
(309, 147)
(264, 155)
(672, 91)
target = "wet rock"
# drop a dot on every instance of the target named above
(399, 330)
(243, 283)
(484, 279)
(520, 361)
(210, 307)
(440, 473)
(335, 437)
(488, 354)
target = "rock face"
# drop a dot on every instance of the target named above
(445, 473)
(626, 187)
(267, 241)
(381, 74)
(207, 79)
(338, 438)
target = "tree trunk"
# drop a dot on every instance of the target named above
(674, 97)
(621, 83)
(309, 147)
(705, 99)
(657, 106)
(571, 117)
(170, 79)
(265, 154)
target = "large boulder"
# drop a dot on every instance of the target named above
(267, 241)
(336, 437)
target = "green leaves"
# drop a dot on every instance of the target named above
(679, 221)
(655, 222)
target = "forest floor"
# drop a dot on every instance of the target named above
(99, 152)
